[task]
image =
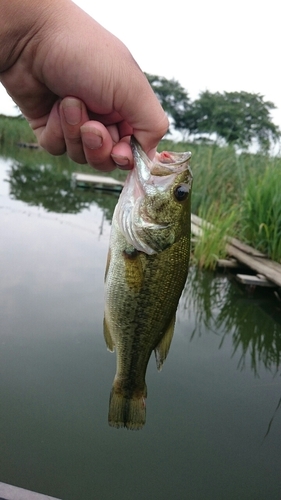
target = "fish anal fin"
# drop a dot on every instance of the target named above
(107, 336)
(162, 349)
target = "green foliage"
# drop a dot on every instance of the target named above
(172, 96)
(211, 244)
(221, 306)
(237, 117)
(39, 179)
(15, 129)
(245, 187)
(220, 175)
(261, 211)
(43, 187)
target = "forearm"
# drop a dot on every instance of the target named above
(20, 22)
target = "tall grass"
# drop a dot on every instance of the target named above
(15, 129)
(211, 245)
(219, 173)
(244, 187)
(261, 211)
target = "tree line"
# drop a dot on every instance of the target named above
(238, 118)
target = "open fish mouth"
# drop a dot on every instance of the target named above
(164, 164)
(147, 183)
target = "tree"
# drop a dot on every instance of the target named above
(172, 96)
(238, 117)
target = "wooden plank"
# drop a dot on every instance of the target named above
(244, 247)
(258, 280)
(258, 264)
(198, 221)
(9, 492)
(196, 230)
(246, 254)
(30, 145)
(96, 181)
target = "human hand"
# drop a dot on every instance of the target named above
(78, 85)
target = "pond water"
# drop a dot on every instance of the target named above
(213, 429)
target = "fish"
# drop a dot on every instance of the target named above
(146, 271)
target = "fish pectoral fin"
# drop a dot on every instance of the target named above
(133, 269)
(107, 336)
(107, 264)
(161, 351)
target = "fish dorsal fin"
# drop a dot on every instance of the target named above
(161, 351)
(107, 336)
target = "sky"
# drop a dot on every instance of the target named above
(210, 45)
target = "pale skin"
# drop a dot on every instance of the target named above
(77, 84)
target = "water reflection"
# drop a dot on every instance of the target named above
(38, 181)
(206, 418)
(220, 305)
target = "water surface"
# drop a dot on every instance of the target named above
(213, 429)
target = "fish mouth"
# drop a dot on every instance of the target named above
(147, 181)
(164, 164)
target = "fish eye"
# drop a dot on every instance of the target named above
(181, 192)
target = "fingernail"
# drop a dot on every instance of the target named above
(91, 138)
(72, 110)
(121, 161)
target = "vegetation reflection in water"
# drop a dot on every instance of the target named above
(40, 180)
(220, 305)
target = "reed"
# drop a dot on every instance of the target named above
(15, 129)
(240, 194)
(211, 245)
(261, 211)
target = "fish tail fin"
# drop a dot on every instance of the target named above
(125, 411)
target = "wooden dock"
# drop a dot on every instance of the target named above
(96, 181)
(266, 269)
(29, 145)
(9, 492)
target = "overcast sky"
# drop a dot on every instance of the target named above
(204, 44)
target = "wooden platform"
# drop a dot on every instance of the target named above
(96, 182)
(9, 492)
(29, 145)
(250, 257)
(256, 280)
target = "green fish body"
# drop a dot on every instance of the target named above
(146, 272)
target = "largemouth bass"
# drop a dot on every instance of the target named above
(146, 271)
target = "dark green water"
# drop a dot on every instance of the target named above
(213, 428)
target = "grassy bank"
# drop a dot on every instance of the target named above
(14, 129)
(239, 194)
